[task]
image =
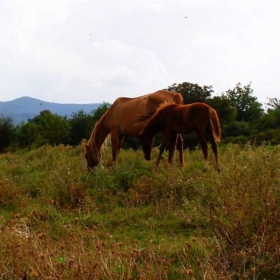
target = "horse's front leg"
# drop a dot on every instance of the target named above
(120, 143)
(116, 140)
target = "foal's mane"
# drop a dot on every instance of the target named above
(163, 108)
(146, 119)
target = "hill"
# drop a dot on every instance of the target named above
(24, 108)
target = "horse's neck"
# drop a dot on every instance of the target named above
(97, 137)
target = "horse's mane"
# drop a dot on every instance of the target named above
(92, 136)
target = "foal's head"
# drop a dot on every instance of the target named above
(147, 145)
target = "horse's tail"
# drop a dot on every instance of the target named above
(215, 123)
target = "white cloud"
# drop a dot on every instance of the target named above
(93, 51)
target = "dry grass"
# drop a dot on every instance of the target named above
(131, 222)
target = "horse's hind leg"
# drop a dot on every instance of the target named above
(203, 144)
(214, 146)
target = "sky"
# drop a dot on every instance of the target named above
(94, 51)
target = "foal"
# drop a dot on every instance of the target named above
(173, 119)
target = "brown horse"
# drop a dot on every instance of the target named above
(172, 119)
(125, 118)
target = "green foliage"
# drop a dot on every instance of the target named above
(273, 104)
(237, 128)
(224, 109)
(268, 137)
(241, 116)
(50, 129)
(6, 132)
(192, 92)
(271, 120)
(97, 113)
(81, 125)
(26, 134)
(243, 101)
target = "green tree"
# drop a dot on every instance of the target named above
(81, 125)
(237, 128)
(192, 92)
(268, 126)
(51, 129)
(273, 104)
(272, 118)
(6, 132)
(225, 111)
(26, 134)
(97, 113)
(246, 105)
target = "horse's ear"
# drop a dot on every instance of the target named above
(178, 98)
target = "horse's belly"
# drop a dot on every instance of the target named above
(131, 131)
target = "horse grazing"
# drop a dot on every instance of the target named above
(126, 118)
(172, 119)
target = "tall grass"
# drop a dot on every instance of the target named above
(57, 221)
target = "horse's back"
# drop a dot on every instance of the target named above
(127, 114)
(145, 104)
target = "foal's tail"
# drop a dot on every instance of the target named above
(215, 123)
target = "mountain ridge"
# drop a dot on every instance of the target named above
(25, 107)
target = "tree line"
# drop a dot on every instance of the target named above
(243, 119)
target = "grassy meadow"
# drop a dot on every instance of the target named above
(58, 221)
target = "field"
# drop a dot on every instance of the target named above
(58, 221)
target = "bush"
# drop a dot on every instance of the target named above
(245, 215)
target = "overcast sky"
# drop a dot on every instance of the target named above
(91, 51)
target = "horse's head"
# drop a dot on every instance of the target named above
(147, 145)
(92, 160)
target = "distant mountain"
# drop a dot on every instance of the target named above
(25, 107)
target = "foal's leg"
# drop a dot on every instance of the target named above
(172, 144)
(162, 147)
(179, 147)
